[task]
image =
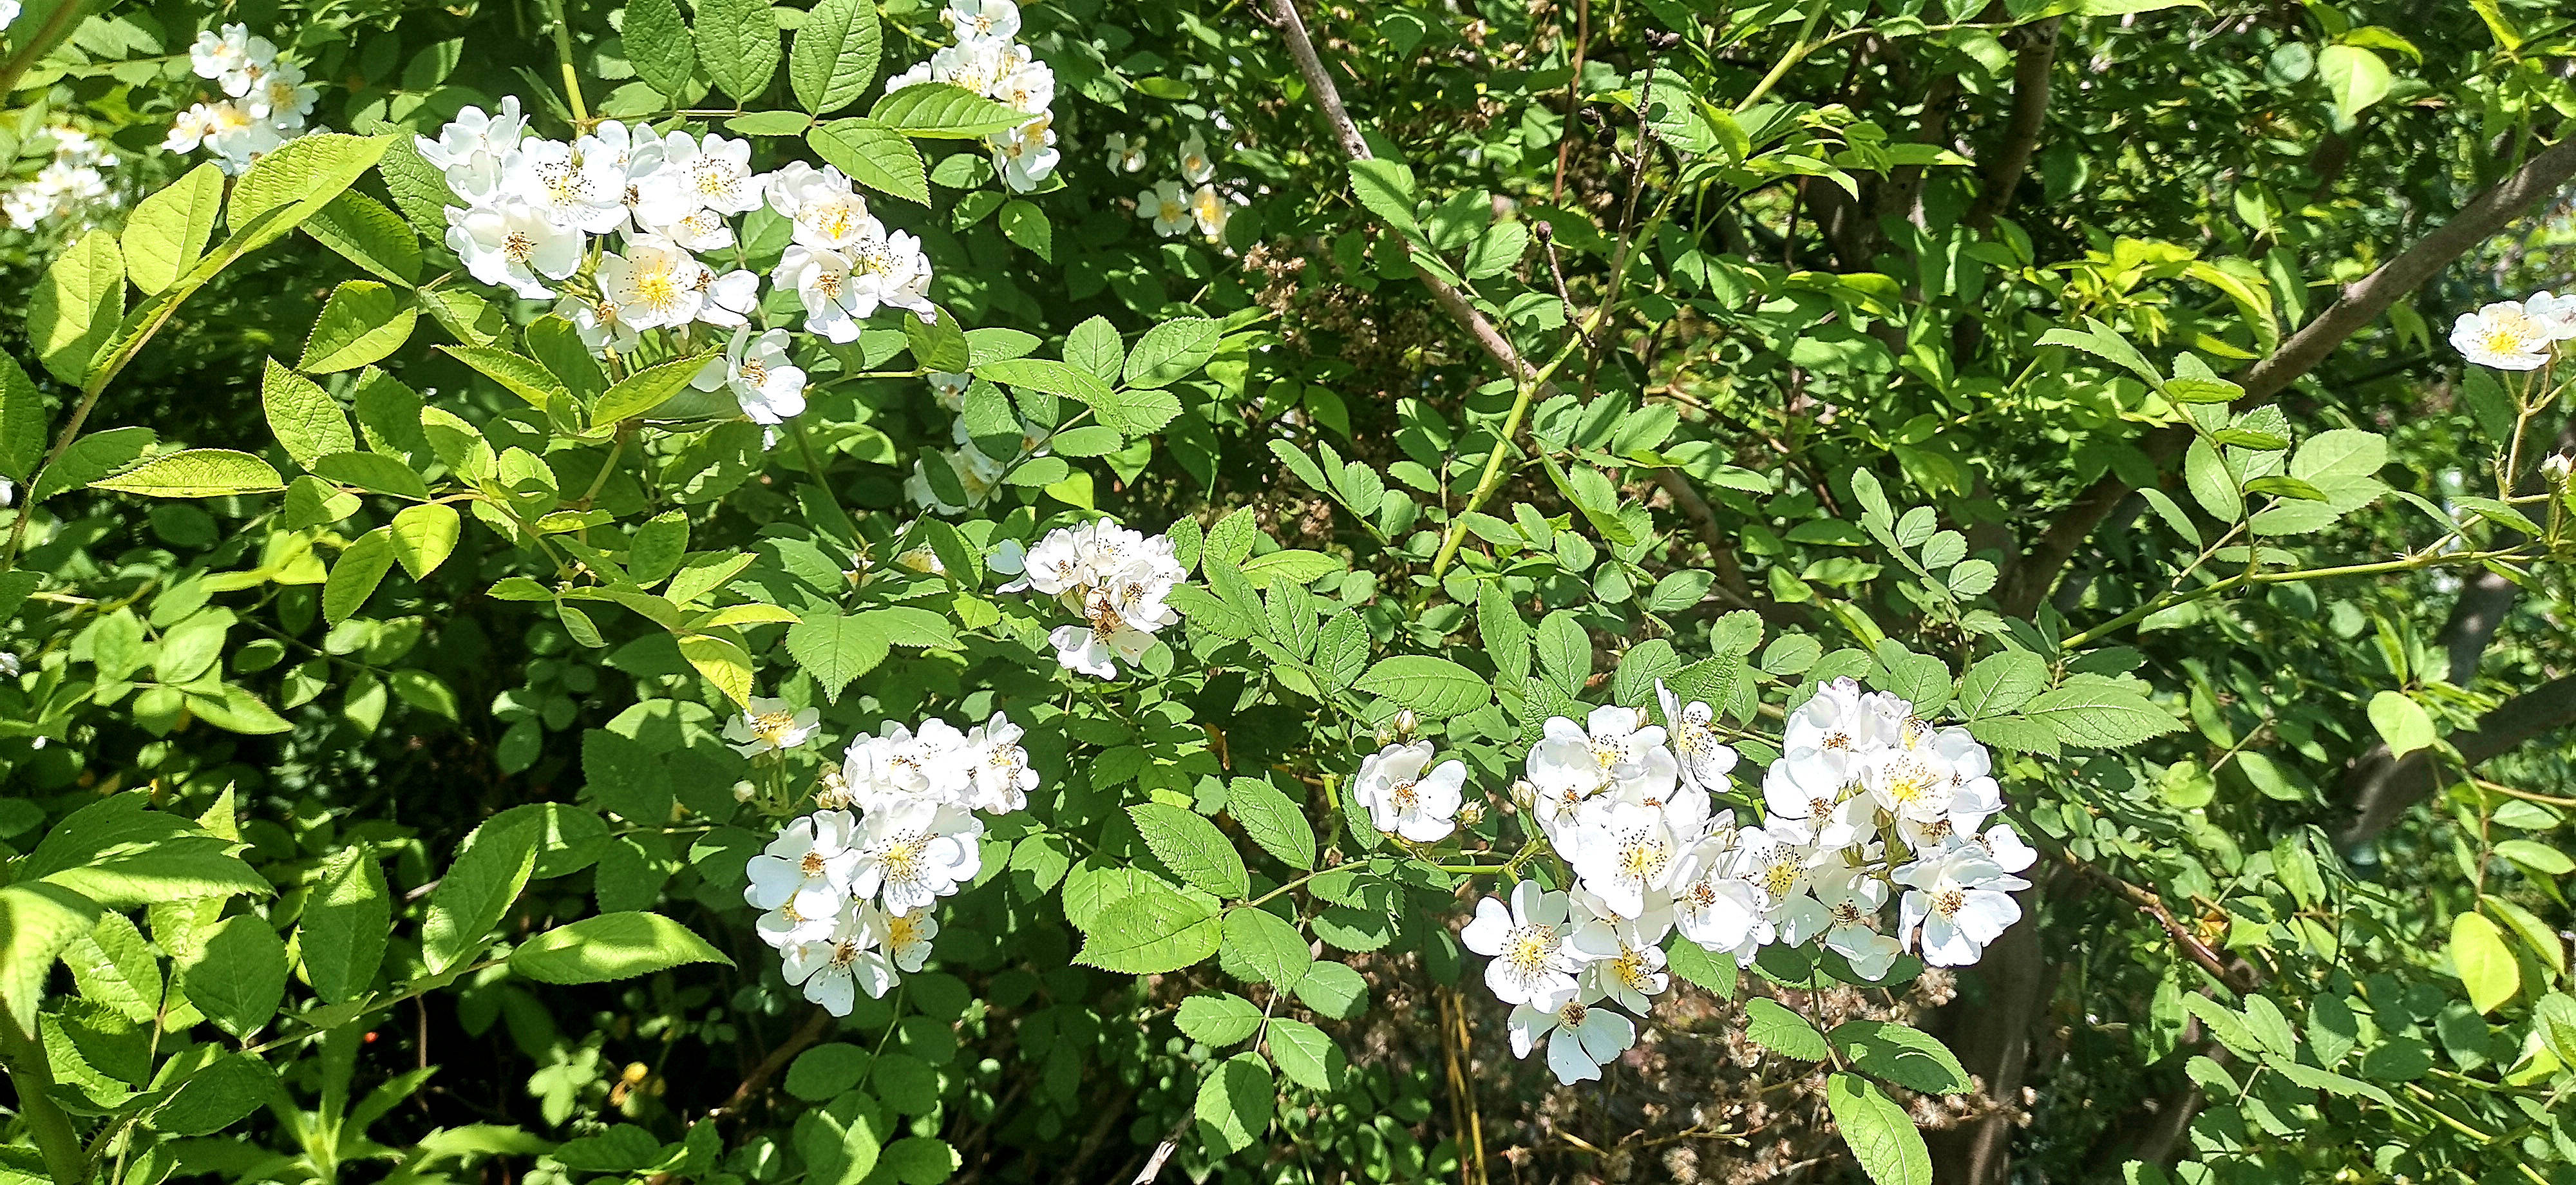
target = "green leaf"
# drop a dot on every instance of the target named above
(1219, 1020)
(76, 305)
(217, 1096)
(1272, 821)
(1289, 565)
(1434, 687)
(2001, 683)
(345, 923)
(919, 1160)
(2479, 957)
(835, 649)
(36, 922)
(1386, 188)
(361, 323)
(738, 42)
(937, 110)
(365, 233)
(1172, 351)
(1693, 962)
(521, 376)
(196, 473)
(307, 421)
(476, 891)
(1193, 847)
(1234, 1104)
(2553, 1016)
(1308, 1057)
(1880, 1134)
(1333, 989)
(354, 576)
(1772, 1026)
(826, 1070)
(300, 178)
(2099, 717)
(22, 424)
(639, 393)
(374, 472)
(167, 233)
(1150, 932)
(2401, 722)
(1023, 223)
(1905, 1056)
(659, 46)
(611, 946)
(423, 536)
(2356, 77)
(836, 55)
(235, 973)
(90, 458)
(873, 155)
(1262, 946)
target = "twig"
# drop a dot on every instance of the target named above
(817, 1023)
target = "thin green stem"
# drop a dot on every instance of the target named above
(563, 54)
(1493, 475)
(33, 1075)
(1797, 53)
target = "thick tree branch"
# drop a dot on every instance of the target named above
(2543, 709)
(2010, 159)
(2359, 305)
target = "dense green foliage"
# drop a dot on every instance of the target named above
(399, 675)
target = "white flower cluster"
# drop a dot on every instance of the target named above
(988, 61)
(266, 100)
(69, 190)
(846, 892)
(2516, 334)
(1169, 205)
(1865, 799)
(1114, 578)
(532, 207)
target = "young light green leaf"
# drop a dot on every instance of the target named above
(1433, 687)
(361, 323)
(167, 233)
(2401, 722)
(2479, 957)
(365, 233)
(75, 307)
(196, 473)
(937, 110)
(609, 947)
(236, 973)
(1219, 1020)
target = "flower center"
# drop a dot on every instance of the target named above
(901, 857)
(1846, 913)
(772, 726)
(519, 247)
(1948, 902)
(1571, 1016)
(753, 372)
(713, 179)
(902, 930)
(1631, 969)
(1780, 875)
(845, 952)
(1404, 794)
(657, 289)
(1528, 948)
(1642, 856)
(811, 864)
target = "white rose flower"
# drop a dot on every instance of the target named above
(2503, 336)
(1777, 860)
(1625, 855)
(1852, 899)
(832, 972)
(770, 726)
(1126, 153)
(982, 20)
(1713, 907)
(1002, 777)
(1165, 207)
(1962, 900)
(912, 853)
(904, 937)
(756, 369)
(1196, 168)
(1403, 799)
(1210, 210)
(1692, 728)
(810, 864)
(583, 191)
(512, 245)
(1581, 1037)
(1530, 962)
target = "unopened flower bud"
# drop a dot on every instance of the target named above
(1470, 813)
(834, 793)
(1524, 795)
(1406, 724)
(2557, 467)
(922, 560)
(745, 791)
